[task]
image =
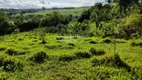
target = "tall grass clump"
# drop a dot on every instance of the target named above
(39, 57)
(2, 49)
(13, 52)
(114, 61)
(81, 54)
(10, 64)
(97, 52)
(67, 58)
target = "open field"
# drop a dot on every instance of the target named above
(25, 56)
(74, 12)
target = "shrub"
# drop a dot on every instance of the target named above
(2, 49)
(59, 38)
(43, 41)
(93, 42)
(11, 52)
(54, 46)
(28, 26)
(136, 44)
(39, 57)
(66, 58)
(10, 64)
(107, 41)
(114, 61)
(97, 52)
(71, 44)
(82, 54)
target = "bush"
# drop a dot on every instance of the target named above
(93, 42)
(71, 44)
(5, 25)
(107, 41)
(28, 26)
(59, 38)
(10, 64)
(114, 61)
(97, 52)
(11, 52)
(54, 46)
(43, 41)
(66, 58)
(136, 44)
(2, 49)
(82, 54)
(39, 57)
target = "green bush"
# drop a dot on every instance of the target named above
(5, 26)
(39, 57)
(66, 58)
(59, 38)
(136, 44)
(97, 52)
(54, 46)
(2, 49)
(93, 42)
(10, 64)
(71, 44)
(107, 41)
(82, 54)
(11, 52)
(114, 61)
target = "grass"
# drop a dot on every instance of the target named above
(74, 12)
(68, 58)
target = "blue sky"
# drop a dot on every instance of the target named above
(46, 3)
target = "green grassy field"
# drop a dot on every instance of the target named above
(24, 56)
(74, 12)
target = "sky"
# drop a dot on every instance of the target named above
(20, 4)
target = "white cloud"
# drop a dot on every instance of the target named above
(1, 0)
(46, 3)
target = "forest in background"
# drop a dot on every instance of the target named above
(119, 18)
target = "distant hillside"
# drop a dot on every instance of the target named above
(64, 11)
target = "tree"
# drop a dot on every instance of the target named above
(5, 26)
(125, 5)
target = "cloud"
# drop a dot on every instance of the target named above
(1, 0)
(42, 1)
(45, 3)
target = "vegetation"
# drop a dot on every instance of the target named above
(102, 42)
